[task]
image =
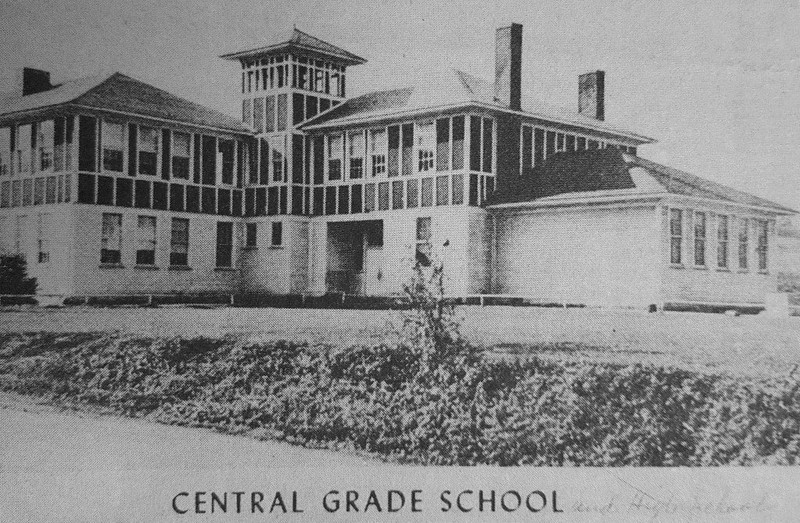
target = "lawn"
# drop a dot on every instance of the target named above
(753, 345)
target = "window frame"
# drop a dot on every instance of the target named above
(251, 235)
(424, 241)
(723, 240)
(762, 248)
(425, 146)
(174, 167)
(276, 232)
(140, 150)
(356, 158)
(676, 238)
(334, 142)
(111, 256)
(178, 242)
(104, 149)
(743, 242)
(224, 250)
(699, 240)
(146, 257)
(378, 151)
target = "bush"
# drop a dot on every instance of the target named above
(380, 399)
(14, 276)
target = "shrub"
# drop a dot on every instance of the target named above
(377, 399)
(14, 276)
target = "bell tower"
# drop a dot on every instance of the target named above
(282, 85)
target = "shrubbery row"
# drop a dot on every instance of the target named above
(390, 400)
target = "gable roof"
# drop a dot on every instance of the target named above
(298, 40)
(449, 88)
(120, 93)
(610, 172)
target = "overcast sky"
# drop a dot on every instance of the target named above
(717, 83)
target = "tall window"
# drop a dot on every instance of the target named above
(276, 239)
(378, 147)
(180, 155)
(23, 148)
(146, 241)
(700, 238)
(113, 146)
(762, 227)
(335, 153)
(278, 151)
(179, 243)
(45, 144)
(43, 231)
(20, 234)
(676, 236)
(5, 151)
(225, 159)
(722, 241)
(251, 235)
(224, 244)
(424, 234)
(356, 150)
(148, 150)
(111, 243)
(426, 142)
(744, 223)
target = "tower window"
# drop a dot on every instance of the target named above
(113, 146)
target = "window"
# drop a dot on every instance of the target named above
(146, 241)
(111, 243)
(278, 151)
(700, 238)
(276, 238)
(426, 141)
(251, 235)
(20, 235)
(335, 153)
(5, 151)
(180, 155)
(762, 244)
(224, 244)
(676, 235)
(744, 223)
(148, 150)
(722, 241)
(44, 237)
(179, 243)
(45, 143)
(225, 159)
(23, 148)
(423, 253)
(113, 142)
(378, 147)
(356, 150)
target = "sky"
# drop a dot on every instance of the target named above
(717, 83)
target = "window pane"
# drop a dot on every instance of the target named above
(111, 242)
(146, 240)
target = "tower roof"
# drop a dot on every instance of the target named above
(297, 40)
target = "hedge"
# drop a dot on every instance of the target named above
(382, 399)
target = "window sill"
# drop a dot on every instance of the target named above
(276, 247)
(225, 269)
(111, 266)
(250, 248)
(743, 271)
(179, 268)
(700, 267)
(146, 267)
(723, 269)
(765, 273)
(677, 266)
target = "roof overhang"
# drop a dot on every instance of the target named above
(628, 198)
(348, 59)
(400, 113)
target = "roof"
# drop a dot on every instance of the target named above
(298, 40)
(450, 88)
(120, 93)
(610, 172)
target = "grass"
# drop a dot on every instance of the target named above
(746, 345)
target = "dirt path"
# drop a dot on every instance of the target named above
(38, 438)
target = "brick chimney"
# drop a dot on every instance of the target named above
(35, 81)
(591, 94)
(508, 66)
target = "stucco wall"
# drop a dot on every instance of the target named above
(593, 256)
(711, 284)
(203, 277)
